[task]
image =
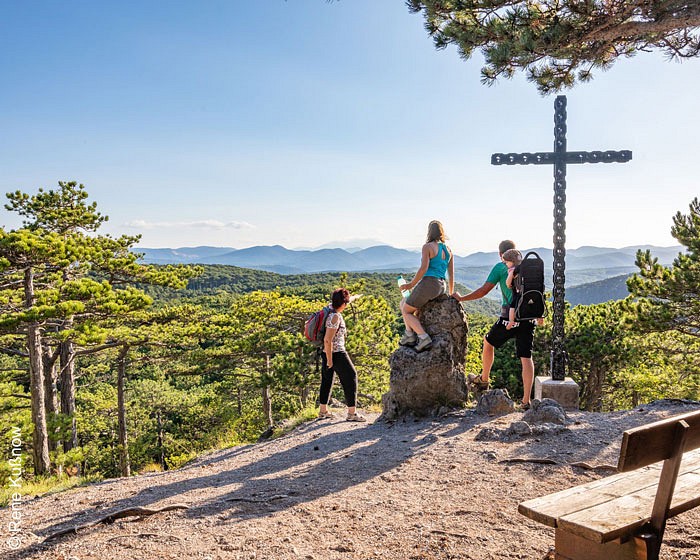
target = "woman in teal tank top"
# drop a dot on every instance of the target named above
(434, 277)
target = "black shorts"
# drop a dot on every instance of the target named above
(523, 335)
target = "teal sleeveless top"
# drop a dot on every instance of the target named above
(437, 266)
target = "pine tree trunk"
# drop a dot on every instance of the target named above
(598, 396)
(51, 397)
(163, 462)
(587, 391)
(267, 405)
(67, 357)
(40, 437)
(267, 399)
(304, 392)
(124, 461)
(592, 393)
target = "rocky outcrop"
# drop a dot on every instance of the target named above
(423, 383)
(494, 403)
(546, 411)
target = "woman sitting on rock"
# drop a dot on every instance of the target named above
(429, 282)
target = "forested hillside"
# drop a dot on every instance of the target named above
(109, 366)
(218, 279)
(614, 288)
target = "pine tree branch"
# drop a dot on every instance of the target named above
(12, 352)
(634, 29)
(96, 349)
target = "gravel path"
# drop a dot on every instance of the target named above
(443, 488)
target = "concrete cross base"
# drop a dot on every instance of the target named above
(564, 392)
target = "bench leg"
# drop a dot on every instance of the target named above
(573, 547)
(652, 544)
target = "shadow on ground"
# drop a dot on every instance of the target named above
(323, 463)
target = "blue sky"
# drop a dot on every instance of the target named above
(238, 123)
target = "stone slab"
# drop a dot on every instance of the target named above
(564, 392)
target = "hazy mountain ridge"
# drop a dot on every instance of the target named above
(276, 258)
(593, 274)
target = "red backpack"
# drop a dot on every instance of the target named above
(315, 326)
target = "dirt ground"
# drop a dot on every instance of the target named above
(416, 489)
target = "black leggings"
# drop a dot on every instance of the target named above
(342, 365)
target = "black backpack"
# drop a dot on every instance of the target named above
(530, 282)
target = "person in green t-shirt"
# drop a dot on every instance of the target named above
(523, 333)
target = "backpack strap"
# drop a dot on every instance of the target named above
(332, 312)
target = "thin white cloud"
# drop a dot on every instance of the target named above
(195, 224)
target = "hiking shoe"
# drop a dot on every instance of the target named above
(327, 414)
(408, 339)
(423, 343)
(355, 417)
(476, 381)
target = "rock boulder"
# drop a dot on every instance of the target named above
(495, 402)
(545, 411)
(423, 382)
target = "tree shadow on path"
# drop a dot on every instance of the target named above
(315, 460)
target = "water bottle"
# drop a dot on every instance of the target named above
(401, 281)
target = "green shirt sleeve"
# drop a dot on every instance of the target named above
(496, 274)
(499, 276)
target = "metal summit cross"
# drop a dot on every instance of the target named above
(559, 158)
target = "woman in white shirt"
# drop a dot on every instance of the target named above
(334, 359)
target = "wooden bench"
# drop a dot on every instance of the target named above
(623, 517)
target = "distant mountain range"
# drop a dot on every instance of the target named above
(386, 258)
(593, 274)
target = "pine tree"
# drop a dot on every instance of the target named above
(59, 281)
(669, 298)
(559, 42)
(29, 261)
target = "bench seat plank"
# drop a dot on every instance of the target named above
(549, 509)
(622, 516)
